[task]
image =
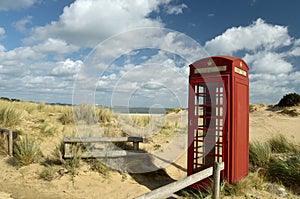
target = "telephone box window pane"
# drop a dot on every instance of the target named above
(208, 136)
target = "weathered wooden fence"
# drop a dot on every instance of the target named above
(11, 135)
(171, 188)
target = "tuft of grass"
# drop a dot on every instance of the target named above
(279, 160)
(26, 151)
(253, 180)
(227, 189)
(48, 173)
(168, 126)
(259, 154)
(29, 107)
(291, 112)
(252, 108)
(262, 105)
(41, 106)
(192, 193)
(104, 115)
(285, 170)
(141, 121)
(57, 154)
(9, 116)
(174, 110)
(73, 163)
(46, 130)
(85, 113)
(279, 144)
(112, 131)
(66, 118)
(100, 167)
(157, 146)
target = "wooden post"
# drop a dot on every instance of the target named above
(10, 142)
(217, 173)
(67, 151)
(136, 145)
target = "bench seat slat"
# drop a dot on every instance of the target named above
(101, 139)
(109, 154)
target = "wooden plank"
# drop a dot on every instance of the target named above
(101, 139)
(171, 188)
(108, 154)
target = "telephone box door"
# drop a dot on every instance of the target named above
(207, 123)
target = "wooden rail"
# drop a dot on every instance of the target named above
(11, 135)
(68, 141)
(171, 188)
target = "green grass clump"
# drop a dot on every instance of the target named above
(48, 173)
(104, 115)
(193, 193)
(26, 151)
(285, 170)
(174, 110)
(290, 111)
(46, 130)
(279, 144)
(9, 116)
(41, 106)
(279, 160)
(240, 188)
(259, 154)
(85, 113)
(141, 121)
(100, 167)
(66, 117)
(57, 154)
(73, 163)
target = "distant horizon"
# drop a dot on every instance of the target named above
(70, 104)
(108, 106)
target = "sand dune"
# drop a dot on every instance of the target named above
(25, 183)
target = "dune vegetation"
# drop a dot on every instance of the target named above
(274, 163)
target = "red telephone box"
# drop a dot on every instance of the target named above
(219, 116)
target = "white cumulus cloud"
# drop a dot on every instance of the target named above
(55, 46)
(175, 9)
(21, 24)
(268, 62)
(267, 49)
(258, 35)
(87, 22)
(67, 68)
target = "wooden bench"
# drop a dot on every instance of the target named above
(69, 141)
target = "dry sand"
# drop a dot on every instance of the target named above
(25, 183)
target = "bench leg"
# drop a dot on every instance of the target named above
(67, 151)
(136, 145)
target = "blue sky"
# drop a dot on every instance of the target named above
(47, 48)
